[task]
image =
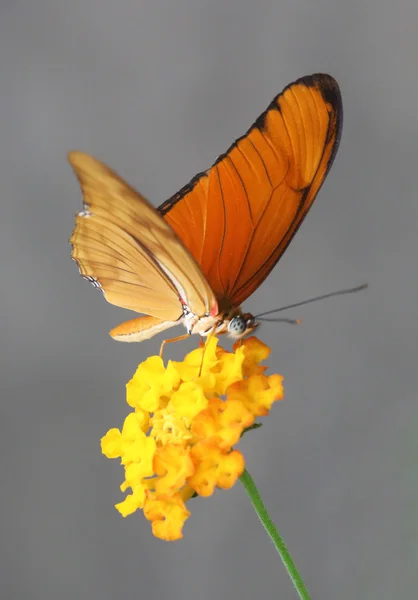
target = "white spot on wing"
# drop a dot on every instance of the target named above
(95, 283)
(85, 212)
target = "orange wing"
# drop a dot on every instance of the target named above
(124, 247)
(238, 217)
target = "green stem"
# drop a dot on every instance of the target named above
(276, 538)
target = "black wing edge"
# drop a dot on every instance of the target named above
(331, 93)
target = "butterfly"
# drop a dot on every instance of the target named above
(203, 252)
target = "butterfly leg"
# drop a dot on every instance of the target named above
(169, 341)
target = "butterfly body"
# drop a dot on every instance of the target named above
(203, 252)
(236, 324)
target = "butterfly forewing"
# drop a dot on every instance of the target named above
(122, 244)
(249, 205)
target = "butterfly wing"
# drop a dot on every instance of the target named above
(140, 329)
(248, 206)
(121, 244)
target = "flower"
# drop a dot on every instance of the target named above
(187, 417)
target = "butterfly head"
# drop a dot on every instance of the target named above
(241, 325)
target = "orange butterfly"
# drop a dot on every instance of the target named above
(197, 257)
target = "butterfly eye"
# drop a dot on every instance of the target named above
(237, 326)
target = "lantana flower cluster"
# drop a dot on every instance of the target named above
(179, 440)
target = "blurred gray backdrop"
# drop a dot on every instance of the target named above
(157, 90)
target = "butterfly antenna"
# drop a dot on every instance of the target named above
(289, 321)
(359, 288)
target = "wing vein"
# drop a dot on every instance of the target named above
(243, 186)
(224, 225)
(262, 160)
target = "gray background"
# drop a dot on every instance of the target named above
(158, 89)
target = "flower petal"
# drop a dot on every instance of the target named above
(214, 468)
(257, 393)
(150, 383)
(188, 401)
(132, 502)
(173, 465)
(167, 514)
(255, 352)
(112, 443)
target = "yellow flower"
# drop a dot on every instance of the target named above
(188, 416)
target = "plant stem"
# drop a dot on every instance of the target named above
(276, 538)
